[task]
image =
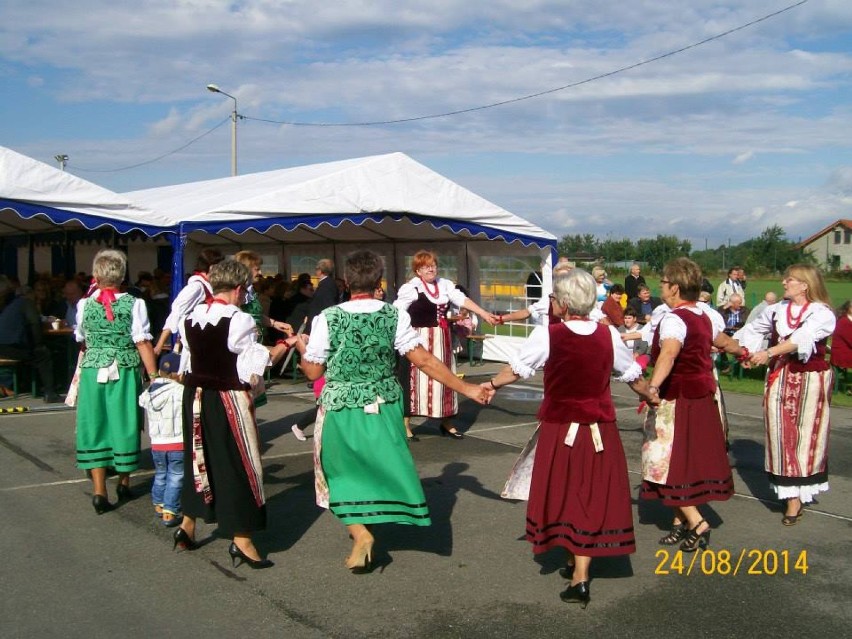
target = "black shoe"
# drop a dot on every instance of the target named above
(450, 433)
(183, 540)
(694, 540)
(257, 564)
(677, 533)
(101, 504)
(123, 492)
(577, 594)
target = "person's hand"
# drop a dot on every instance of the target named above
(282, 327)
(158, 348)
(760, 358)
(477, 393)
(491, 318)
(489, 389)
(653, 396)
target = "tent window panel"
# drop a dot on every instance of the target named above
(504, 287)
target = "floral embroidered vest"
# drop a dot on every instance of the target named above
(109, 341)
(361, 361)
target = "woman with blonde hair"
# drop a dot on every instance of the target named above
(798, 388)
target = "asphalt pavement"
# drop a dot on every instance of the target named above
(67, 572)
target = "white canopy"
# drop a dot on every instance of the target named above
(36, 197)
(378, 198)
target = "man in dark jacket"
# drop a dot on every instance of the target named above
(644, 304)
(325, 294)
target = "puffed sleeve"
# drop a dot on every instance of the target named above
(405, 296)
(816, 327)
(79, 333)
(187, 299)
(252, 358)
(406, 337)
(539, 311)
(672, 327)
(141, 328)
(623, 364)
(751, 335)
(453, 293)
(532, 354)
(318, 346)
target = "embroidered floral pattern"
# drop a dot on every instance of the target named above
(361, 363)
(110, 341)
(657, 447)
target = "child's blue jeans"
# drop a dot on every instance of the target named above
(168, 479)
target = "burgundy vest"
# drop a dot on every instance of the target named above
(692, 373)
(576, 377)
(214, 367)
(425, 313)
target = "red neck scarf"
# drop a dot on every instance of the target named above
(107, 297)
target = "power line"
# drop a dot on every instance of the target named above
(548, 91)
(159, 157)
(531, 96)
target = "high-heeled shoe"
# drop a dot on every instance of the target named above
(695, 540)
(360, 562)
(257, 564)
(577, 594)
(677, 533)
(450, 433)
(183, 540)
(123, 492)
(101, 504)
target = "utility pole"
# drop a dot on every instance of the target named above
(62, 159)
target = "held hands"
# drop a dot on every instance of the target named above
(759, 358)
(482, 394)
(491, 318)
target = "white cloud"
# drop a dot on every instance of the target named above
(742, 158)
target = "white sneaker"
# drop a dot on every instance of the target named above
(298, 432)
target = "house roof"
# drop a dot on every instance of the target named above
(844, 223)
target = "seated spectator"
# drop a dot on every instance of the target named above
(614, 314)
(72, 292)
(21, 338)
(641, 349)
(644, 304)
(735, 318)
(768, 300)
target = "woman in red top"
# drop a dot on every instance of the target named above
(841, 340)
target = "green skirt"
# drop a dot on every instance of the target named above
(109, 420)
(369, 470)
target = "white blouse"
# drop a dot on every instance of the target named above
(533, 353)
(677, 330)
(140, 329)
(252, 358)
(673, 327)
(190, 296)
(817, 323)
(447, 293)
(318, 348)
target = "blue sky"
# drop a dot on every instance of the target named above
(713, 144)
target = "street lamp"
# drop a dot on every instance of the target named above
(234, 115)
(62, 159)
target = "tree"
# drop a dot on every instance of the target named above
(579, 244)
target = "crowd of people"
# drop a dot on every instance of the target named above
(374, 365)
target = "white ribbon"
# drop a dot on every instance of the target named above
(108, 373)
(595, 432)
(373, 409)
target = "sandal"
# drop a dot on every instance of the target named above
(677, 533)
(792, 520)
(695, 540)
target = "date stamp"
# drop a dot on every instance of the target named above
(748, 561)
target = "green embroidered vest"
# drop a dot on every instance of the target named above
(107, 341)
(254, 308)
(361, 361)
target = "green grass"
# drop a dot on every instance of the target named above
(838, 291)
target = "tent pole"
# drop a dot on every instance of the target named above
(178, 242)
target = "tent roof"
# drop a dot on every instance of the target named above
(35, 197)
(376, 198)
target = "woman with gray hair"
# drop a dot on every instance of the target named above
(573, 470)
(114, 327)
(221, 360)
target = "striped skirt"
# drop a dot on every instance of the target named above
(797, 424)
(428, 397)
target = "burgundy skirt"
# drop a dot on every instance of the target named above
(580, 499)
(699, 471)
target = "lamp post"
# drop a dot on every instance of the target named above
(62, 159)
(234, 115)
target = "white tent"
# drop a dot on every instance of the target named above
(41, 204)
(389, 202)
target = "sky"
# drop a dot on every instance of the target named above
(712, 144)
